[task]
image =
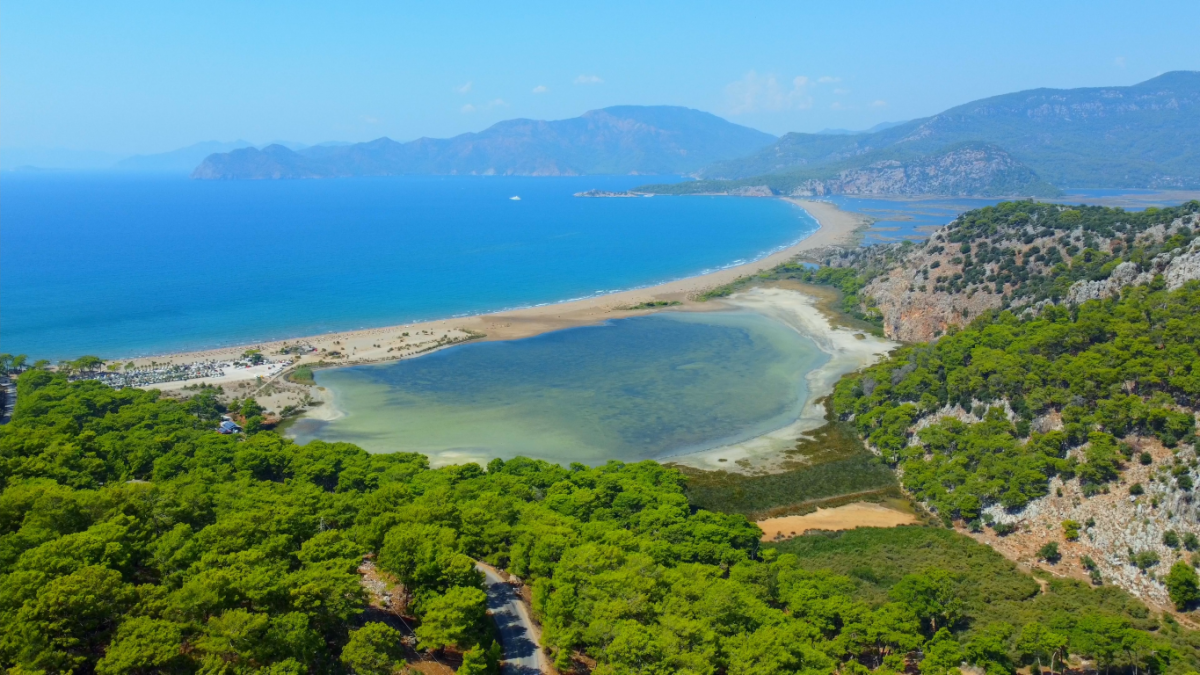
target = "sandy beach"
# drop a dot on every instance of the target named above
(375, 345)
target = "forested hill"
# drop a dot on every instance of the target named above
(1070, 427)
(654, 140)
(1146, 135)
(1048, 396)
(134, 539)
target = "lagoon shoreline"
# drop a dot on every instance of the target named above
(848, 349)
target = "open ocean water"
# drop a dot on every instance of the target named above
(126, 265)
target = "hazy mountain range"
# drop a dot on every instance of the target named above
(1029, 143)
(619, 140)
(183, 159)
(1142, 136)
(180, 160)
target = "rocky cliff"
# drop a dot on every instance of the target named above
(962, 169)
(971, 169)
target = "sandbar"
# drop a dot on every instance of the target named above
(374, 345)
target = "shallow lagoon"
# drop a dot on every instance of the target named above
(641, 388)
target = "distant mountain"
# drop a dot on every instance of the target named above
(617, 140)
(1145, 135)
(963, 169)
(181, 160)
(846, 132)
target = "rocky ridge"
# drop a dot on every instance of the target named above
(973, 169)
(1113, 524)
(1177, 267)
(920, 291)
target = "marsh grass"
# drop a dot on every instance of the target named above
(302, 375)
(830, 468)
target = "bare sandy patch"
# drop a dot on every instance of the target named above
(847, 517)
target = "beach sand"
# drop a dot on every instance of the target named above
(402, 341)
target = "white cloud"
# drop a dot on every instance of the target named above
(841, 92)
(756, 92)
(1119, 62)
(837, 105)
(370, 119)
(588, 79)
(879, 103)
(826, 79)
(540, 89)
(464, 88)
(496, 103)
(468, 109)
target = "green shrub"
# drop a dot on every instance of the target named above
(1049, 552)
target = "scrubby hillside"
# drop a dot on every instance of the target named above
(1072, 425)
(1016, 255)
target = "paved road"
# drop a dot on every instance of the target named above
(9, 398)
(518, 637)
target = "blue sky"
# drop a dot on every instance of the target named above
(134, 77)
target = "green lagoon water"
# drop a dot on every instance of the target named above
(640, 388)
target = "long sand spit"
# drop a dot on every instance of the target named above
(390, 343)
(848, 349)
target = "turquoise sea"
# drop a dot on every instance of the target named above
(649, 387)
(124, 265)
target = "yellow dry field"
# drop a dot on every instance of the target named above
(848, 517)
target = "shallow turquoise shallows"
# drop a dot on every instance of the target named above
(641, 388)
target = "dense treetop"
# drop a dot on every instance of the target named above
(135, 539)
